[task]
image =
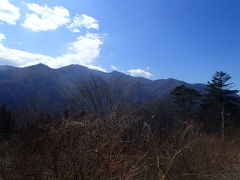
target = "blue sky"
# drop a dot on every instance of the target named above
(187, 40)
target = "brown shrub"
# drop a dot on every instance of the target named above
(114, 146)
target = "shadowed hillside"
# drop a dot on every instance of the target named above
(44, 86)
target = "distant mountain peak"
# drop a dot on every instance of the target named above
(56, 86)
(75, 66)
(117, 73)
(7, 67)
(39, 66)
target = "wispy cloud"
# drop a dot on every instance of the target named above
(2, 37)
(44, 18)
(8, 12)
(96, 68)
(114, 67)
(139, 73)
(83, 21)
(83, 51)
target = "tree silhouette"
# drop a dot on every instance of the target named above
(185, 98)
(221, 96)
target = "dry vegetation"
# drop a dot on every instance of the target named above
(114, 139)
(118, 145)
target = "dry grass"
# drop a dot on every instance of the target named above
(116, 146)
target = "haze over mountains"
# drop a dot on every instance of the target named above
(54, 87)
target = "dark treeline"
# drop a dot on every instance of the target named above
(104, 135)
(219, 107)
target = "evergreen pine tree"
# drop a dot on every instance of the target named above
(220, 96)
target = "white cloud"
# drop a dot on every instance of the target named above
(83, 51)
(2, 37)
(8, 12)
(83, 21)
(21, 58)
(96, 68)
(114, 67)
(45, 18)
(139, 72)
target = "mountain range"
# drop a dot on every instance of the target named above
(40, 84)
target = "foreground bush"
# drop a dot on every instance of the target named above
(114, 146)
